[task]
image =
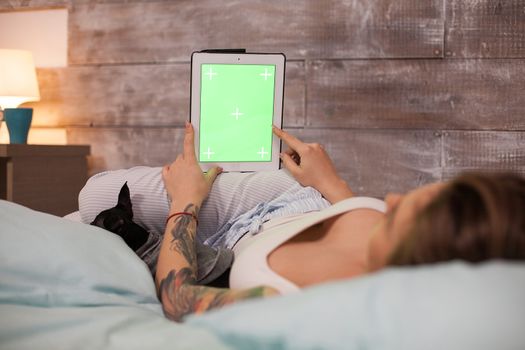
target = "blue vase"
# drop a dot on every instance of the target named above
(18, 121)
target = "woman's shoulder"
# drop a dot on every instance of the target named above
(357, 202)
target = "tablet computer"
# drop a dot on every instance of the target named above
(235, 99)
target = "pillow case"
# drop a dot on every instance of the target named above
(447, 306)
(71, 263)
(67, 285)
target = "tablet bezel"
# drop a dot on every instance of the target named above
(277, 59)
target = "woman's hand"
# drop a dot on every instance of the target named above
(183, 179)
(311, 166)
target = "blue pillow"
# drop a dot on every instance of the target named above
(448, 306)
(48, 261)
(67, 285)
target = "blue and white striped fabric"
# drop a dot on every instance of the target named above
(238, 202)
(294, 201)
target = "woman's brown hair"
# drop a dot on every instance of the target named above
(476, 217)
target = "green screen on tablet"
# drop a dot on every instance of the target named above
(236, 112)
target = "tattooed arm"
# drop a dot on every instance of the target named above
(177, 272)
(177, 264)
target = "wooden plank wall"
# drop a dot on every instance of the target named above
(401, 93)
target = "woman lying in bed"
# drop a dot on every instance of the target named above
(473, 218)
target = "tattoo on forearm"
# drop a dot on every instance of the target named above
(183, 237)
(178, 291)
(180, 297)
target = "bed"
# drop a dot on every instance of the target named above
(67, 285)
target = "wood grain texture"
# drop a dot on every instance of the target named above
(485, 28)
(25, 150)
(380, 119)
(17, 5)
(113, 95)
(44, 178)
(8, 5)
(405, 94)
(135, 95)
(124, 147)
(49, 184)
(3, 178)
(168, 31)
(484, 151)
(375, 162)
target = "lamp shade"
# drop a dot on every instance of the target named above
(18, 83)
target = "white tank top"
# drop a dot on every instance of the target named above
(250, 267)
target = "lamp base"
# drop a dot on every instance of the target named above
(18, 121)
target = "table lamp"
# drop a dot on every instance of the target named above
(18, 84)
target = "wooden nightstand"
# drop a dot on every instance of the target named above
(44, 178)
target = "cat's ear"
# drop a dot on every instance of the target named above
(124, 200)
